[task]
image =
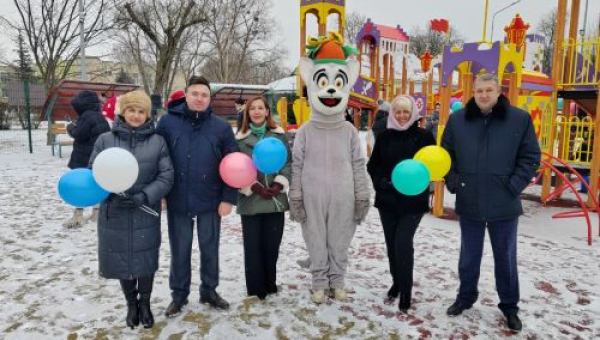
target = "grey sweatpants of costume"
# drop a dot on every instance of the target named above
(328, 234)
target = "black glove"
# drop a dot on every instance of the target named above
(385, 184)
(129, 201)
(139, 199)
(262, 191)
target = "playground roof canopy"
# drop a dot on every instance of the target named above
(58, 102)
(224, 96)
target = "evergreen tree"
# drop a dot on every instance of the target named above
(23, 65)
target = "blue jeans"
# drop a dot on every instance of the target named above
(503, 236)
(181, 235)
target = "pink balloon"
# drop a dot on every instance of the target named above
(237, 170)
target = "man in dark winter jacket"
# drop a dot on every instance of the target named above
(197, 140)
(495, 154)
(89, 125)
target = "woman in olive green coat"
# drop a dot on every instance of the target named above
(263, 204)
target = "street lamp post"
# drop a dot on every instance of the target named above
(496, 13)
(82, 40)
(584, 20)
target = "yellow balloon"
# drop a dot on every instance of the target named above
(436, 159)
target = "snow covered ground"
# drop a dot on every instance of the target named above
(50, 289)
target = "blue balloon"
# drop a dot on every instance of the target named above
(79, 188)
(410, 177)
(456, 106)
(270, 155)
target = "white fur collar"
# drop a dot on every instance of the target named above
(240, 135)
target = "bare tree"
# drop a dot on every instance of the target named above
(239, 37)
(51, 32)
(194, 53)
(133, 47)
(354, 23)
(547, 28)
(163, 23)
(423, 39)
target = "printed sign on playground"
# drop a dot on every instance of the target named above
(421, 103)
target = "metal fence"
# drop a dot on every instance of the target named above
(22, 128)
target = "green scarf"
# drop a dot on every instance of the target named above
(258, 131)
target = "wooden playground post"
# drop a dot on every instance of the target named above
(438, 193)
(404, 71)
(424, 87)
(595, 167)
(573, 23)
(282, 105)
(299, 81)
(411, 87)
(375, 70)
(430, 85)
(467, 78)
(386, 79)
(513, 90)
(557, 59)
(392, 80)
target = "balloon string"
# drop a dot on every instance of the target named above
(278, 205)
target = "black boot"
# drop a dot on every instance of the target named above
(130, 291)
(146, 317)
(404, 304)
(391, 296)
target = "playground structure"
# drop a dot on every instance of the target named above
(563, 104)
(567, 140)
(381, 48)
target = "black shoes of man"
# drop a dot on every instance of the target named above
(512, 320)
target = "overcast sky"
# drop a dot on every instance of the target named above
(465, 15)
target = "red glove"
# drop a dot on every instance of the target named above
(276, 188)
(261, 190)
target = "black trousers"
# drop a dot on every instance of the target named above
(399, 231)
(142, 285)
(262, 235)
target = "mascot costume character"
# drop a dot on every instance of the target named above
(329, 194)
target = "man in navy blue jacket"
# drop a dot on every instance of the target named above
(198, 140)
(495, 154)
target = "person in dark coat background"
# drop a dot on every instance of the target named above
(128, 237)
(240, 107)
(198, 140)
(381, 119)
(495, 154)
(400, 214)
(85, 130)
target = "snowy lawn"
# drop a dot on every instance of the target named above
(50, 288)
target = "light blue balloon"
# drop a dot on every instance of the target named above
(456, 106)
(410, 177)
(269, 155)
(561, 103)
(79, 188)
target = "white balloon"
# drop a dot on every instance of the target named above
(115, 169)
